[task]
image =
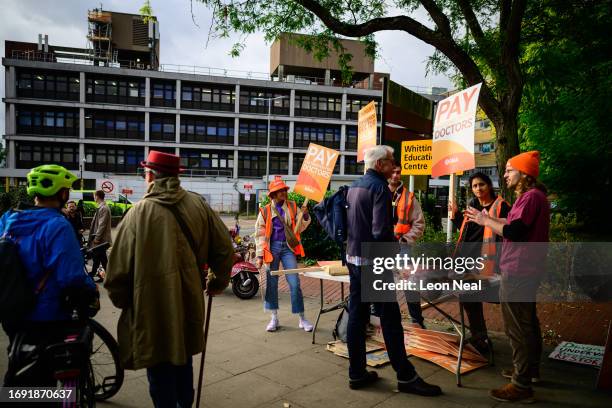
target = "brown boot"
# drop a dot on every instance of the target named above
(512, 393)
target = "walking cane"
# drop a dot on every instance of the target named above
(206, 324)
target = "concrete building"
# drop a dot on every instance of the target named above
(99, 112)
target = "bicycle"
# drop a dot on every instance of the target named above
(105, 360)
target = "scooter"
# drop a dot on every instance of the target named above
(245, 282)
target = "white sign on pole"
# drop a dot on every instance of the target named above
(453, 133)
(247, 196)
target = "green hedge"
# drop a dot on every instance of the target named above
(13, 197)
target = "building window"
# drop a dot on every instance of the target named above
(254, 164)
(163, 94)
(328, 136)
(485, 147)
(126, 91)
(207, 97)
(322, 106)
(351, 166)
(354, 105)
(253, 100)
(351, 138)
(208, 162)
(256, 133)
(46, 85)
(31, 155)
(207, 130)
(113, 160)
(47, 121)
(162, 128)
(114, 125)
(298, 159)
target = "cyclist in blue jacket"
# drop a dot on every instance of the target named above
(48, 249)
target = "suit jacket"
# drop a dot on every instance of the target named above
(101, 225)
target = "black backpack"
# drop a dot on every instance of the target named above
(341, 328)
(17, 296)
(331, 214)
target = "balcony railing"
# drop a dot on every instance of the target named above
(84, 59)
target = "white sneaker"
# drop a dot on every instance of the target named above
(306, 325)
(273, 325)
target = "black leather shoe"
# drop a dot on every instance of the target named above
(419, 387)
(369, 378)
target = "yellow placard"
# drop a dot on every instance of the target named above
(416, 157)
(316, 172)
(366, 129)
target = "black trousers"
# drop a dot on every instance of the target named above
(99, 257)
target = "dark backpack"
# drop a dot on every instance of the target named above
(331, 214)
(17, 298)
(17, 294)
(341, 328)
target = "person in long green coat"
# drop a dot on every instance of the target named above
(154, 278)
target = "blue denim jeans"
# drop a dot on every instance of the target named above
(281, 252)
(170, 385)
(393, 332)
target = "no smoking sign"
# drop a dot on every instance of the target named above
(107, 186)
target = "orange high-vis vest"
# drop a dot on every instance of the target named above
(266, 212)
(488, 239)
(404, 206)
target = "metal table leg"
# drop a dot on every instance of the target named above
(461, 343)
(314, 329)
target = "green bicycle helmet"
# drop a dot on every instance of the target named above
(48, 179)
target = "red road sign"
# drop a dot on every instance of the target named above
(248, 186)
(107, 186)
(127, 191)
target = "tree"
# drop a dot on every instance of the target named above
(566, 106)
(477, 39)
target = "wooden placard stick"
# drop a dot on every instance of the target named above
(300, 216)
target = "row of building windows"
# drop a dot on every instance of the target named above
(256, 133)
(130, 125)
(48, 121)
(48, 85)
(207, 130)
(114, 125)
(318, 105)
(328, 136)
(207, 98)
(126, 159)
(119, 91)
(132, 91)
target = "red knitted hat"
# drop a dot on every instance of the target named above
(528, 163)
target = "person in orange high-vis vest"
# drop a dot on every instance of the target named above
(274, 222)
(409, 227)
(470, 234)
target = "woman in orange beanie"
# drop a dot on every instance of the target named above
(521, 267)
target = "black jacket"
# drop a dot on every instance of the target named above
(369, 214)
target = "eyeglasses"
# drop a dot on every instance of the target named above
(144, 173)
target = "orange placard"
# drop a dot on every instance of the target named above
(366, 129)
(315, 174)
(453, 134)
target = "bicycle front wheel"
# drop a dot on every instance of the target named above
(105, 363)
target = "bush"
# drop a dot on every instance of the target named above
(89, 209)
(115, 210)
(13, 198)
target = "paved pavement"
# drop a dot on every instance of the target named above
(248, 367)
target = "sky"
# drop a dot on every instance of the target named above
(184, 43)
